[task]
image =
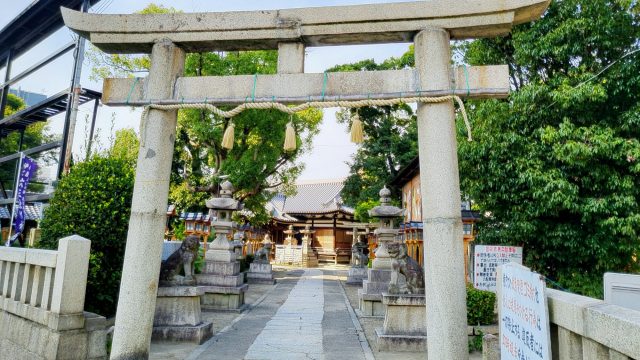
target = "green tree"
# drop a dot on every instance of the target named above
(257, 164)
(390, 141)
(94, 201)
(555, 167)
(125, 145)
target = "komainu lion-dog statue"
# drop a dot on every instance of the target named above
(181, 259)
(402, 264)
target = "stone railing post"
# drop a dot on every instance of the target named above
(440, 185)
(72, 267)
(141, 268)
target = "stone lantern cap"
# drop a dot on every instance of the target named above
(225, 201)
(385, 209)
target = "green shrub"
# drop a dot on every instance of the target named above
(94, 201)
(475, 342)
(480, 305)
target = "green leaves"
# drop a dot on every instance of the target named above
(555, 167)
(94, 201)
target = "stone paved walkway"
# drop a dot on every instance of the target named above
(307, 315)
(304, 317)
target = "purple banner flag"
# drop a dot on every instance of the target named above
(27, 171)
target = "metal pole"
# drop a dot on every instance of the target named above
(21, 140)
(93, 125)
(74, 92)
(5, 89)
(13, 208)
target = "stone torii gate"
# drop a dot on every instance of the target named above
(430, 25)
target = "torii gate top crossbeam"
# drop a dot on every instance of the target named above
(321, 26)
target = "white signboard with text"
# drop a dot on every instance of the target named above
(523, 313)
(486, 260)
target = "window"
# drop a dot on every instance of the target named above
(189, 225)
(467, 229)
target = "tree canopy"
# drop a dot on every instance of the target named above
(257, 164)
(555, 167)
(390, 141)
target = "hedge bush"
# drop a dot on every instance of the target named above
(94, 201)
(480, 305)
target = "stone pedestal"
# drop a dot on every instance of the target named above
(260, 273)
(405, 324)
(177, 315)
(356, 275)
(370, 296)
(223, 285)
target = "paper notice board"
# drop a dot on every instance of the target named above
(487, 258)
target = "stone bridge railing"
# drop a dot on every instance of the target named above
(584, 328)
(42, 295)
(46, 286)
(587, 328)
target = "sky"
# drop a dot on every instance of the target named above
(332, 148)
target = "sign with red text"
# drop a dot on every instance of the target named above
(523, 313)
(486, 260)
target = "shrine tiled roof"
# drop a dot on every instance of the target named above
(32, 212)
(192, 216)
(318, 197)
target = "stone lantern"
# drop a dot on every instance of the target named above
(221, 279)
(386, 233)
(309, 258)
(221, 209)
(379, 275)
(289, 240)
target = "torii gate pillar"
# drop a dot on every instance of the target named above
(440, 187)
(141, 270)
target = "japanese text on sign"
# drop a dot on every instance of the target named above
(486, 260)
(524, 319)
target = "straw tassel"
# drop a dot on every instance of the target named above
(290, 138)
(227, 139)
(356, 130)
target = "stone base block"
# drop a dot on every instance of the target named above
(25, 339)
(405, 323)
(178, 306)
(223, 298)
(197, 334)
(310, 262)
(405, 315)
(260, 273)
(208, 279)
(221, 268)
(408, 343)
(356, 275)
(377, 281)
(370, 304)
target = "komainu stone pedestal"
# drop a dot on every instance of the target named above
(356, 275)
(260, 273)
(405, 324)
(370, 296)
(223, 285)
(177, 316)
